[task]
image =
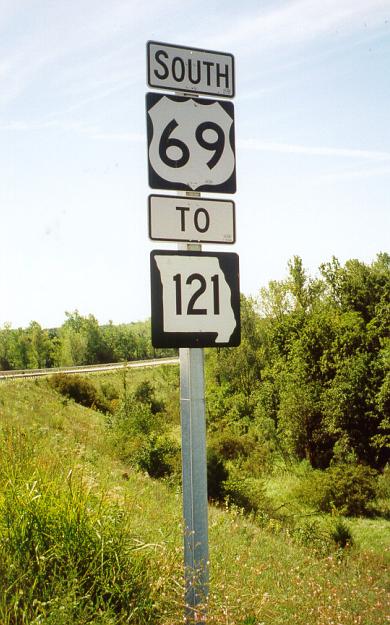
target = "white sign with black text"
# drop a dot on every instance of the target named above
(192, 70)
(195, 299)
(191, 143)
(201, 220)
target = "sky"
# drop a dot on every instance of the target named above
(312, 115)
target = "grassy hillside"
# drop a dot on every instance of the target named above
(84, 538)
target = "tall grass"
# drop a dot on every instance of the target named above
(66, 555)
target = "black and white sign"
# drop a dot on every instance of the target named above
(195, 299)
(201, 220)
(191, 70)
(190, 144)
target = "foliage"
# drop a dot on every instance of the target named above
(341, 533)
(145, 393)
(323, 536)
(313, 366)
(159, 456)
(81, 340)
(227, 483)
(311, 533)
(217, 474)
(347, 489)
(139, 432)
(29, 348)
(232, 446)
(246, 493)
(384, 483)
(80, 389)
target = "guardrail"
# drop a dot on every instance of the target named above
(35, 373)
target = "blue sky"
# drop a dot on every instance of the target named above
(312, 138)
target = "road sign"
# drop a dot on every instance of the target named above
(201, 220)
(195, 299)
(190, 143)
(190, 69)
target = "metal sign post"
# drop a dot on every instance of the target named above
(193, 428)
(194, 479)
(195, 295)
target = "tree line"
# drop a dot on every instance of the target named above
(312, 373)
(79, 341)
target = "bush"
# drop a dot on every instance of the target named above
(217, 474)
(246, 493)
(347, 489)
(341, 534)
(231, 446)
(384, 483)
(80, 389)
(145, 394)
(109, 390)
(321, 535)
(159, 456)
(311, 533)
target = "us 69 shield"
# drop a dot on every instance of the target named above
(190, 144)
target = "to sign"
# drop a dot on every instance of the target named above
(190, 144)
(195, 299)
(173, 218)
(190, 69)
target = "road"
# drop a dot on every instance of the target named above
(36, 373)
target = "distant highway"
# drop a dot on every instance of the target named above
(36, 373)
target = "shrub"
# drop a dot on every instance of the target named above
(246, 493)
(341, 534)
(80, 389)
(109, 390)
(320, 535)
(347, 489)
(159, 456)
(133, 418)
(231, 446)
(145, 394)
(217, 474)
(311, 533)
(384, 483)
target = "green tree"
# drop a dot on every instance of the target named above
(325, 379)
(6, 347)
(234, 373)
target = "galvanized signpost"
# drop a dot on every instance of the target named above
(195, 297)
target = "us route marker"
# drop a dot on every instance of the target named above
(190, 144)
(195, 299)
